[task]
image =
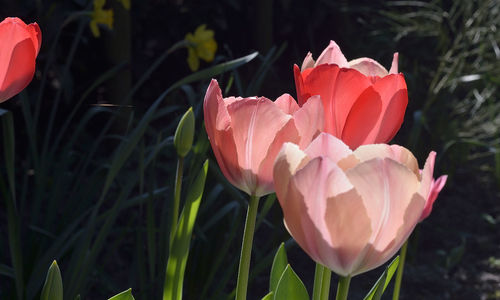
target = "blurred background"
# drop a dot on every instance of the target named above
(94, 158)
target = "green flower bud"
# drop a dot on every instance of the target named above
(53, 287)
(184, 134)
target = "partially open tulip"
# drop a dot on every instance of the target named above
(19, 46)
(246, 134)
(350, 210)
(364, 103)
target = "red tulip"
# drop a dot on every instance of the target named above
(363, 102)
(246, 134)
(19, 47)
(350, 210)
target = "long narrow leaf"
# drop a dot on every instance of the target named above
(177, 260)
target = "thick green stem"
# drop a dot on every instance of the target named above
(177, 197)
(343, 287)
(318, 281)
(325, 289)
(399, 274)
(246, 249)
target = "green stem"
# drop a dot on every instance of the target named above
(399, 274)
(177, 197)
(318, 281)
(343, 287)
(325, 289)
(246, 249)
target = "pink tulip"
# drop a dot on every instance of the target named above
(350, 210)
(363, 102)
(246, 134)
(19, 47)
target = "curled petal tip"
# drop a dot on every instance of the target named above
(394, 65)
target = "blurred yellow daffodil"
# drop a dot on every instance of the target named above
(100, 16)
(125, 3)
(201, 45)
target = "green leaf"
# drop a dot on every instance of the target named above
(53, 287)
(379, 287)
(125, 295)
(179, 251)
(279, 264)
(290, 287)
(184, 134)
(269, 296)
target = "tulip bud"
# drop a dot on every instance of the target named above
(53, 287)
(184, 134)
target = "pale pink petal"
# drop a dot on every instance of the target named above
(427, 176)
(374, 257)
(349, 226)
(332, 55)
(287, 104)
(289, 159)
(394, 66)
(318, 180)
(309, 120)
(329, 146)
(368, 66)
(255, 123)
(308, 62)
(220, 134)
(394, 152)
(288, 133)
(436, 187)
(387, 188)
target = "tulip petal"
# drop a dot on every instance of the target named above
(311, 185)
(362, 119)
(436, 187)
(394, 95)
(259, 124)
(309, 120)
(387, 188)
(374, 256)
(332, 55)
(343, 211)
(427, 176)
(368, 66)
(308, 62)
(18, 69)
(394, 66)
(36, 36)
(287, 104)
(302, 94)
(220, 134)
(327, 145)
(288, 161)
(394, 152)
(288, 133)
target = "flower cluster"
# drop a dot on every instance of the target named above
(348, 199)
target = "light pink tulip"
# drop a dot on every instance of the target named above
(364, 103)
(350, 210)
(246, 134)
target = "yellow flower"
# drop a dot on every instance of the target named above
(100, 16)
(125, 3)
(202, 45)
